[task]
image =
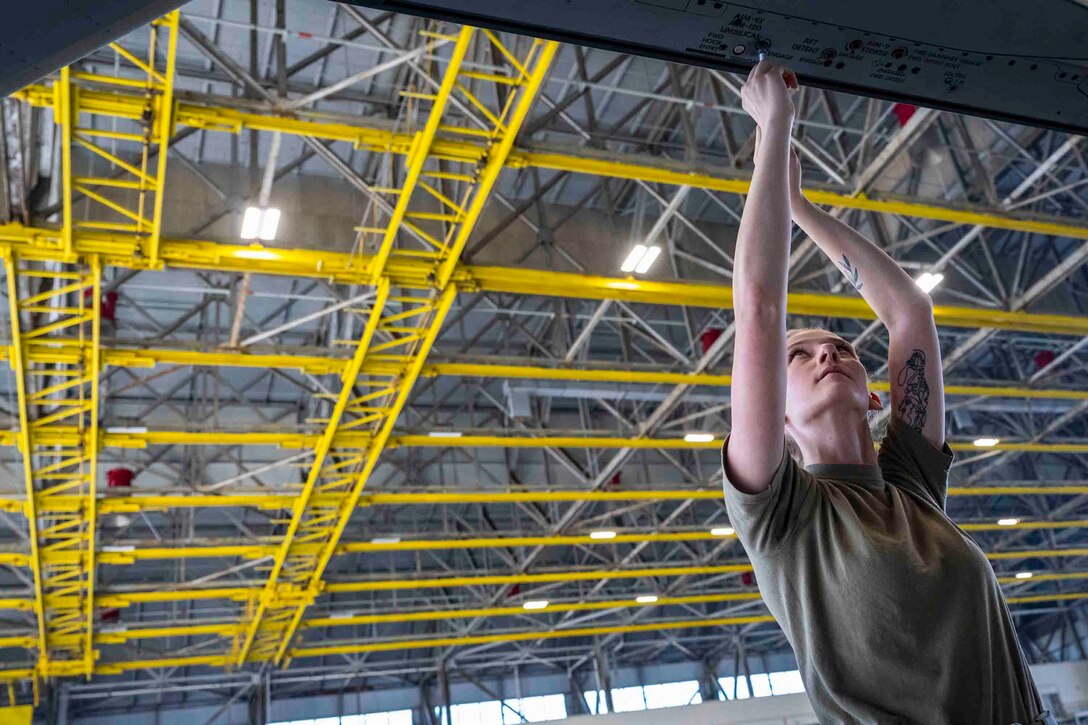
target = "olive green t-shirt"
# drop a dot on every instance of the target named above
(894, 612)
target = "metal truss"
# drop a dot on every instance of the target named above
(293, 507)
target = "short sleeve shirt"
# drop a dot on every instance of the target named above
(893, 611)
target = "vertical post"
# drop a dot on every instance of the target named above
(743, 657)
(604, 678)
(444, 684)
(709, 688)
(62, 704)
(575, 699)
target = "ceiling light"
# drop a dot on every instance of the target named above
(251, 223)
(385, 540)
(723, 531)
(699, 437)
(260, 222)
(270, 221)
(928, 280)
(646, 599)
(445, 434)
(1024, 575)
(602, 535)
(1008, 522)
(640, 258)
(535, 604)
(118, 521)
(987, 442)
(342, 615)
(647, 260)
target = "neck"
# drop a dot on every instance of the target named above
(836, 437)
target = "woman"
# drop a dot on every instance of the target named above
(894, 613)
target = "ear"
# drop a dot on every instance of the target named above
(874, 402)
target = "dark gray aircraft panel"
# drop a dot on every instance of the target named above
(1011, 59)
(37, 37)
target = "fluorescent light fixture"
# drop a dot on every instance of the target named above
(928, 280)
(270, 221)
(640, 259)
(646, 599)
(342, 615)
(258, 222)
(1008, 522)
(699, 437)
(987, 442)
(445, 434)
(385, 540)
(118, 549)
(535, 604)
(602, 535)
(251, 223)
(1024, 575)
(723, 531)
(633, 258)
(124, 430)
(647, 260)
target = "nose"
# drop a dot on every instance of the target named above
(829, 351)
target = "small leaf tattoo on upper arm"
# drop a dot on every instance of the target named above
(851, 273)
(912, 379)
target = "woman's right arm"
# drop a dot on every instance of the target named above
(759, 288)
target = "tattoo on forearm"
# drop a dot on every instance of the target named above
(851, 273)
(912, 380)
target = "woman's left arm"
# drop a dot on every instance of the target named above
(914, 355)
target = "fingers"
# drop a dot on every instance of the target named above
(791, 79)
(763, 66)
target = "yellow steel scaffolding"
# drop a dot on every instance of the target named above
(409, 323)
(54, 306)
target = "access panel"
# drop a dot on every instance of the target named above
(1018, 61)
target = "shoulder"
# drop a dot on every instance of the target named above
(909, 460)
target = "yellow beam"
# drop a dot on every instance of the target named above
(244, 593)
(414, 273)
(227, 630)
(128, 554)
(216, 114)
(484, 368)
(122, 634)
(463, 641)
(273, 500)
(430, 615)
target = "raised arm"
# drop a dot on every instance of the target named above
(759, 287)
(914, 355)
